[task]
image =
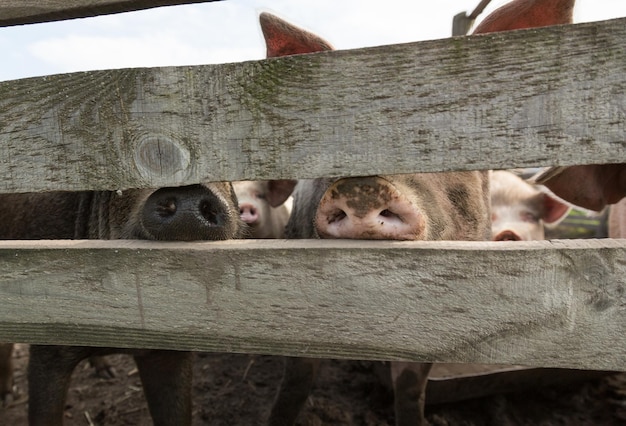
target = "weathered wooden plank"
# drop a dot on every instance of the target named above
(559, 303)
(524, 98)
(17, 12)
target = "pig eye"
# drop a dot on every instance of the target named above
(529, 217)
(261, 196)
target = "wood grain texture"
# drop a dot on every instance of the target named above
(559, 303)
(551, 96)
(17, 12)
(527, 98)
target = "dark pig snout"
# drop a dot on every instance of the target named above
(186, 214)
(368, 208)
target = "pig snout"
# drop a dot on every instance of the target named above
(249, 213)
(368, 208)
(507, 235)
(185, 214)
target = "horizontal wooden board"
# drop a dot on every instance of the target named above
(527, 98)
(17, 12)
(553, 303)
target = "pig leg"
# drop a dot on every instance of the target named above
(49, 372)
(409, 386)
(103, 369)
(166, 378)
(6, 373)
(294, 390)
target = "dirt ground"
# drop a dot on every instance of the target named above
(238, 390)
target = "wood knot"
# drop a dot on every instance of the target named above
(159, 158)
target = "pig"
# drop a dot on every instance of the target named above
(6, 373)
(519, 211)
(617, 220)
(520, 14)
(420, 206)
(196, 212)
(592, 186)
(264, 206)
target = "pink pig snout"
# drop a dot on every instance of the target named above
(507, 235)
(248, 213)
(368, 208)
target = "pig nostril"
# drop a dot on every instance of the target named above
(336, 216)
(248, 209)
(390, 216)
(208, 212)
(167, 208)
(507, 236)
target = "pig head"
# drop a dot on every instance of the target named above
(437, 206)
(196, 212)
(264, 206)
(590, 186)
(519, 211)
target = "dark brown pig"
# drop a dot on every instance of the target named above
(264, 206)
(592, 186)
(519, 211)
(6, 373)
(441, 206)
(197, 212)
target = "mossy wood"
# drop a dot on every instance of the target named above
(558, 303)
(16, 12)
(526, 98)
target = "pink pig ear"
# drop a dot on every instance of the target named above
(283, 39)
(554, 210)
(520, 14)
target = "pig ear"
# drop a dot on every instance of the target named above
(279, 190)
(554, 210)
(590, 186)
(520, 14)
(283, 39)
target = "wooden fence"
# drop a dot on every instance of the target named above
(551, 96)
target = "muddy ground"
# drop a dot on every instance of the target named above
(238, 390)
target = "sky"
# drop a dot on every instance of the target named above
(228, 31)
